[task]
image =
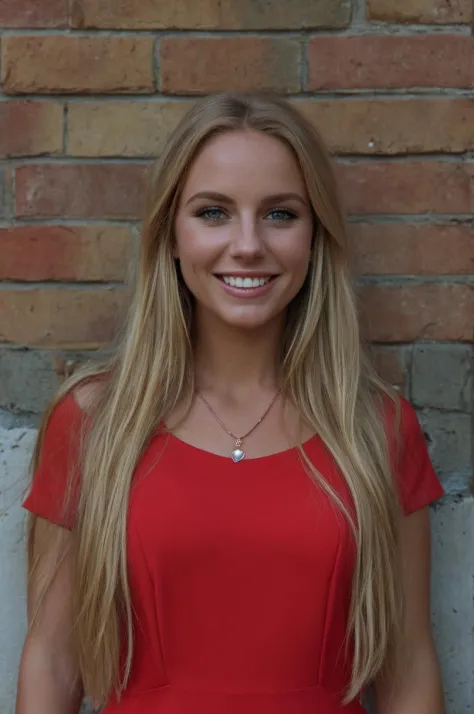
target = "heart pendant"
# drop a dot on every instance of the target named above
(237, 455)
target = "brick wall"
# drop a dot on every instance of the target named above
(90, 90)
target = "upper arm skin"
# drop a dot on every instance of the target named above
(417, 688)
(49, 672)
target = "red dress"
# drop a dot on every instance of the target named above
(240, 573)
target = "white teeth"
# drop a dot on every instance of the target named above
(244, 282)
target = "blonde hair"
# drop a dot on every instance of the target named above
(325, 373)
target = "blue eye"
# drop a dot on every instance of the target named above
(281, 214)
(211, 214)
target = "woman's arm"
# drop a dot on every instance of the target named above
(48, 680)
(417, 688)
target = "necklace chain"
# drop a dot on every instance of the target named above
(237, 454)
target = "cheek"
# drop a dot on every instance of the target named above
(295, 252)
(195, 244)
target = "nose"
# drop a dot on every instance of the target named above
(246, 242)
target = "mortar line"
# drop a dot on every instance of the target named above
(8, 190)
(428, 219)
(399, 281)
(313, 95)
(410, 367)
(455, 157)
(403, 280)
(70, 5)
(70, 223)
(458, 159)
(66, 285)
(359, 13)
(356, 29)
(65, 128)
(156, 65)
(304, 63)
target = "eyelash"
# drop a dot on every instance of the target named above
(288, 215)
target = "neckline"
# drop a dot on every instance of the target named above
(180, 443)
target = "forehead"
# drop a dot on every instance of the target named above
(237, 160)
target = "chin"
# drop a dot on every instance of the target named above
(247, 322)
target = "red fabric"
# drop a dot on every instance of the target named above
(240, 574)
(50, 497)
(416, 480)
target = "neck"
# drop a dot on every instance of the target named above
(234, 363)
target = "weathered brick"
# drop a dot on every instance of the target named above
(195, 65)
(424, 11)
(31, 13)
(54, 64)
(391, 61)
(34, 253)
(413, 249)
(395, 126)
(403, 313)
(379, 187)
(392, 365)
(122, 128)
(48, 317)
(80, 191)
(211, 15)
(442, 376)
(30, 128)
(449, 437)
(29, 378)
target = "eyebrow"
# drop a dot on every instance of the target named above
(276, 198)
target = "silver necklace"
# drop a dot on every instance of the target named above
(237, 453)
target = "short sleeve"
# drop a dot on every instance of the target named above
(416, 480)
(54, 490)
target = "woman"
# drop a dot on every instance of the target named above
(239, 505)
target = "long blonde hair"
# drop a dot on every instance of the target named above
(325, 375)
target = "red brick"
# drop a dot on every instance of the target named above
(30, 128)
(53, 316)
(403, 313)
(34, 253)
(211, 15)
(409, 187)
(55, 64)
(423, 11)
(394, 126)
(80, 191)
(135, 128)
(193, 65)
(393, 61)
(391, 364)
(416, 249)
(34, 13)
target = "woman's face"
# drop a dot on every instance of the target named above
(244, 229)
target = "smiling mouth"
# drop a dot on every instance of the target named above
(236, 281)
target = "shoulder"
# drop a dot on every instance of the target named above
(401, 419)
(56, 461)
(70, 411)
(405, 438)
(416, 480)
(87, 393)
